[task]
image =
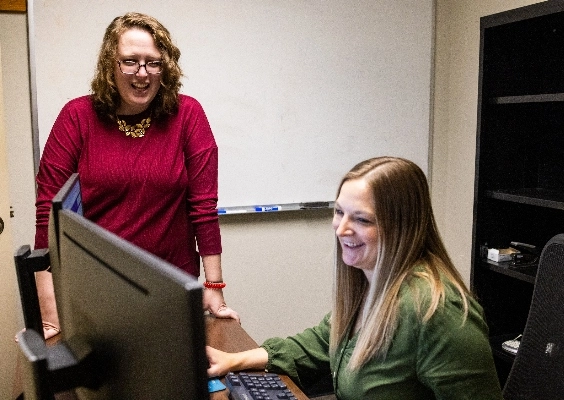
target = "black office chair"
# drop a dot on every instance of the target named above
(538, 369)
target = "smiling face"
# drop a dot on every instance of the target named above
(355, 225)
(136, 90)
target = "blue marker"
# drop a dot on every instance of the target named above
(267, 208)
(224, 211)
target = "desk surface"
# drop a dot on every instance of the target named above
(226, 335)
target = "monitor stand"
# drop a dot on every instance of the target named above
(47, 369)
(52, 369)
(27, 263)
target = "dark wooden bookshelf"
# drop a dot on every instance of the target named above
(519, 176)
(525, 273)
(532, 98)
(532, 196)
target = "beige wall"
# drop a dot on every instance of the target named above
(277, 266)
(13, 37)
(15, 116)
(9, 299)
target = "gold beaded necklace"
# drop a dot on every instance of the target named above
(135, 130)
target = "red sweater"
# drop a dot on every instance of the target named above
(158, 192)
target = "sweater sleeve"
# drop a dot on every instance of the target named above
(202, 167)
(58, 161)
(202, 200)
(303, 357)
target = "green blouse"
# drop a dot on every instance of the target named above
(440, 359)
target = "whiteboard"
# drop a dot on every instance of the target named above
(296, 91)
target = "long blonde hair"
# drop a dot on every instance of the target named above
(408, 238)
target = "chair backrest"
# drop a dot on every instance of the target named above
(538, 369)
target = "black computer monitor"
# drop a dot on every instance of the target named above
(69, 197)
(142, 316)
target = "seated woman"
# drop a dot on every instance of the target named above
(403, 324)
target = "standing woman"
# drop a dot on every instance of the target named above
(403, 324)
(146, 157)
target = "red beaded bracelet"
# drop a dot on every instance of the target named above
(214, 285)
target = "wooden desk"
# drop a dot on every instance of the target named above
(228, 335)
(223, 334)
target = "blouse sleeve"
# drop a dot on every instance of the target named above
(454, 358)
(303, 357)
(58, 161)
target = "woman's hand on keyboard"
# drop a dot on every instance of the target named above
(220, 362)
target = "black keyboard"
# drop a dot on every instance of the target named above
(257, 386)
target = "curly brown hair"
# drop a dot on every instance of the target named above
(105, 95)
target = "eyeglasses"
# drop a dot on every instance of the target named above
(130, 67)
